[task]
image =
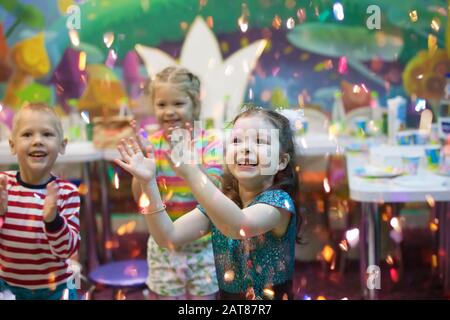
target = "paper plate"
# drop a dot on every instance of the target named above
(372, 172)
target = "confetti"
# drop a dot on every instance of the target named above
(228, 276)
(326, 185)
(108, 39)
(327, 253)
(144, 202)
(435, 25)
(432, 43)
(413, 16)
(116, 181)
(338, 11)
(352, 237)
(290, 23)
(74, 38)
(82, 61)
(342, 65)
(395, 224)
(276, 22)
(434, 225)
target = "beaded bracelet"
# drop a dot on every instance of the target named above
(155, 211)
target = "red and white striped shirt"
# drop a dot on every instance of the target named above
(34, 254)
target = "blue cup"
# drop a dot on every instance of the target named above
(405, 138)
(361, 125)
(433, 155)
(421, 138)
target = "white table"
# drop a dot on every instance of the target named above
(321, 144)
(370, 193)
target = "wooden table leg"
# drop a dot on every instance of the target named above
(107, 238)
(90, 220)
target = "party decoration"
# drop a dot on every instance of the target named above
(23, 13)
(69, 78)
(104, 94)
(279, 98)
(35, 92)
(30, 60)
(355, 43)
(221, 80)
(131, 75)
(424, 75)
(354, 96)
(63, 5)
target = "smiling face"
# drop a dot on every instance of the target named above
(173, 107)
(36, 140)
(252, 150)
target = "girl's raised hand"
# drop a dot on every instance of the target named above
(133, 160)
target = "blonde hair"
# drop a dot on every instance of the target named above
(38, 107)
(183, 80)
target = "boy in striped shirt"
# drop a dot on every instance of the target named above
(39, 226)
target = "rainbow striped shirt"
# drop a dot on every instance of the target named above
(175, 192)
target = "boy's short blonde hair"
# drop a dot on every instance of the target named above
(38, 107)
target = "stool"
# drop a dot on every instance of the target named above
(127, 274)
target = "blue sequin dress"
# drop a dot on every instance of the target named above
(260, 262)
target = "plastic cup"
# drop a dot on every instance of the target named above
(421, 138)
(361, 124)
(301, 125)
(432, 154)
(411, 164)
(405, 138)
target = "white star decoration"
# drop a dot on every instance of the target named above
(223, 82)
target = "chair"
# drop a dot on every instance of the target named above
(119, 275)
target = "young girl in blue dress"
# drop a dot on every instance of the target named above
(252, 219)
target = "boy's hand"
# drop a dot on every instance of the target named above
(50, 202)
(3, 195)
(133, 160)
